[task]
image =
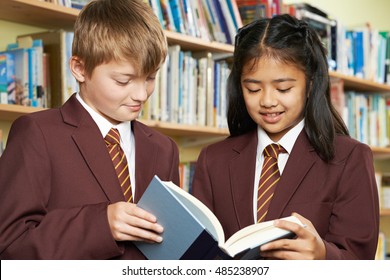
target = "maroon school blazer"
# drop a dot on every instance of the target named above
(56, 180)
(340, 197)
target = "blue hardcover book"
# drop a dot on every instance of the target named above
(21, 74)
(222, 20)
(7, 78)
(192, 231)
(359, 54)
(178, 17)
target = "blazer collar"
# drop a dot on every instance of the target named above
(90, 142)
(300, 161)
(242, 173)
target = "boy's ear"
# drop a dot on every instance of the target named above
(77, 68)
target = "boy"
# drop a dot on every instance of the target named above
(60, 195)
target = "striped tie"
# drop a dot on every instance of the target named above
(118, 158)
(268, 180)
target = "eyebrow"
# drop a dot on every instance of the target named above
(281, 80)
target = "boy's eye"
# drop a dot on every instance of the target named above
(122, 83)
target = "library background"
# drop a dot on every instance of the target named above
(189, 101)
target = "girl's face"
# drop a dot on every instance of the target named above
(274, 94)
(115, 91)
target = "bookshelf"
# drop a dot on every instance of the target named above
(50, 16)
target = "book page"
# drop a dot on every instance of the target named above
(200, 211)
(255, 235)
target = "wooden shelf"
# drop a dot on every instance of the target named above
(358, 84)
(173, 129)
(12, 112)
(385, 212)
(51, 16)
(197, 44)
(38, 13)
(381, 152)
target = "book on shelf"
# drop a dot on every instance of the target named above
(192, 231)
(337, 97)
(7, 78)
(58, 44)
(166, 11)
(385, 191)
(368, 117)
(28, 63)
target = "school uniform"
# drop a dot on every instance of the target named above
(57, 178)
(340, 197)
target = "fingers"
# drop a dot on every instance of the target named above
(129, 222)
(307, 244)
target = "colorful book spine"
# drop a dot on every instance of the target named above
(7, 78)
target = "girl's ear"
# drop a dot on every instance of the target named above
(77, 68)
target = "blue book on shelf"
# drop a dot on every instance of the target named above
(7, 78)
(178, 17)
(359, 53)
(21, 73)
(222, 20)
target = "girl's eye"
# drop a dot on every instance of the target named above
(253, 90)
(284, 90)
(151, 78)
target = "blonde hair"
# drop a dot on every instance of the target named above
(119, 30)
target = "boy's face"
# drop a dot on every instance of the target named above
(116, 92)
(275, 95)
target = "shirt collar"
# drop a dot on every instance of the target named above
(287, 141)
(104, 125)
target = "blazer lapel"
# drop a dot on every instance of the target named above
(145, 159)
(300, 161)
(90, 142)
(242, 173)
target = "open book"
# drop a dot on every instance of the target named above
(192, 231)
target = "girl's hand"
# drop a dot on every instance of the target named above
(308, 245)
(131, 223)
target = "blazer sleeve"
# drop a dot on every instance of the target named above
(30, 227)
(354, 223)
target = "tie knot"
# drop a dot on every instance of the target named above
(273, 150)
(112, 137)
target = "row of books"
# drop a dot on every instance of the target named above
(367, 115)
(35, 70)
(363, 52)
(77, 4)
(383, 183)
(186, 172)
(190, 89)
(23, 69)
(211, 20)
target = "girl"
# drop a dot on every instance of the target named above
(279, 93)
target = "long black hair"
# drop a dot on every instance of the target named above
(291, 41)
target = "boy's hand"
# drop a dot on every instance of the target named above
(131, 223)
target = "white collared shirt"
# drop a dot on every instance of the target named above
(287, 141)
(126, 137)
